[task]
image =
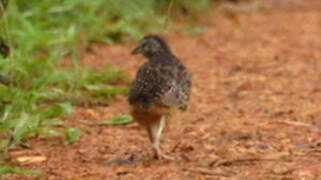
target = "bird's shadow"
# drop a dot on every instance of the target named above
(135, 159)
(121, 161)
(131, 160)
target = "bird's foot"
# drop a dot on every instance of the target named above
(160, 155)
(167, 157)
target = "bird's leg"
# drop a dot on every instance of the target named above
(155, 131)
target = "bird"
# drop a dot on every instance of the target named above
(160, 89)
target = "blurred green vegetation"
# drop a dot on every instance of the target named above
(8, 169)
(40, 33)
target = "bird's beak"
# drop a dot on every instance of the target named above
(137, 50)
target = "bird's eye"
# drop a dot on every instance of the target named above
(145, 47)
(143, 42)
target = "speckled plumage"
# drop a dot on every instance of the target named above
(161, 86)
(163, 80)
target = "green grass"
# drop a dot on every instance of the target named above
(40, 33)
(8, 170)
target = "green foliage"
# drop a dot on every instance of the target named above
(194, 6)
(59, 109)
(193, 30)
(72, 135)
(120, 119)
(5, 169)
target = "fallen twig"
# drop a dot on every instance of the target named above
(228, 162)
(208, 172)
(104, 123)
(296, 123)
(268, 157)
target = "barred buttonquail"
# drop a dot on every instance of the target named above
(162, 85)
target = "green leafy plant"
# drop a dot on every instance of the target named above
(120, 119)
(72, 135)
(5, 169)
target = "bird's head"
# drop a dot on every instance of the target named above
(150, 46)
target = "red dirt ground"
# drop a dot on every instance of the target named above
(255, 111)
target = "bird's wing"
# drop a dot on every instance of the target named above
(163, 85)
(178, 92)
(149, 86)
(172, 96)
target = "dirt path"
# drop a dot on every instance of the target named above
(255, 110)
